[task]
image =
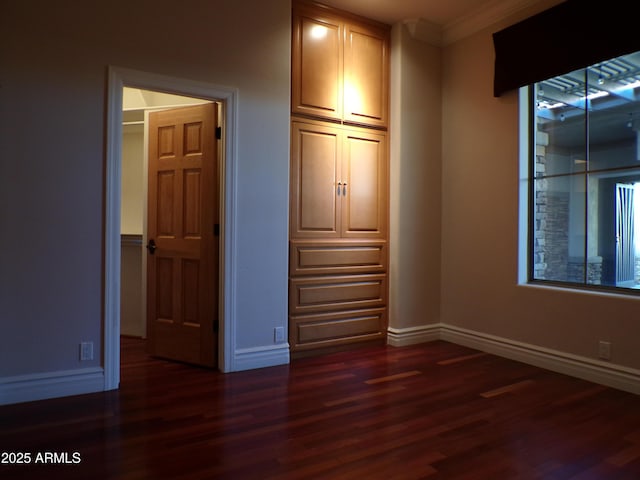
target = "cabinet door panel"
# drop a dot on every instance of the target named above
(317, 65)
(315, 159)
(364, 170)
(366, 75)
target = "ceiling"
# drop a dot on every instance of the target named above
(445, 21)
(440, 12)
(392, 11)
(441, 22)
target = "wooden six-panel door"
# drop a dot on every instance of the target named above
(182, 257)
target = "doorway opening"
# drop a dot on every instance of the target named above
(628, 235)
(175, 290)
(131, 96)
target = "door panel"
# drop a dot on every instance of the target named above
(164, 288)
(192, 200)
(166, 181)
(365, 75)
(317, 52)
(315, 158)
(182, 271)
(364, 172)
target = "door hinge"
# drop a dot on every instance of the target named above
(216, 325)
(219, 133)
(216, 229)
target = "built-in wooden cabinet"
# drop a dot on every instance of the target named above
(340, 66)
(338, 180)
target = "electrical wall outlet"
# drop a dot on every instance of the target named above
(86, 351)
(604, 350)
(278, 334)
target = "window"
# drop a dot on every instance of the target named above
(584, 188)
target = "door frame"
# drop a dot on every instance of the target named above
(623, 262)
(118, 78)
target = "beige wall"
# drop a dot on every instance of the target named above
(480, 291)
(132, 320)
(132, 309)
(415, 171)
(132, 183)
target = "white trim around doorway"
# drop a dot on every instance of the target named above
(123, 77)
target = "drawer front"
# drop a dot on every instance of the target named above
(308, 332)
(322, 294)
(327, 258)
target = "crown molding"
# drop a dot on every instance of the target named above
(475, 20)
(424, 31)
(490, 14)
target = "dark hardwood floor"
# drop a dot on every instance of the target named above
(437, 411)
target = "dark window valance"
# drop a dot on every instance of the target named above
(569, 36)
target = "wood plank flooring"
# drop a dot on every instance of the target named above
(435, 411)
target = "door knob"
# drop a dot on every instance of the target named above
(151, 246)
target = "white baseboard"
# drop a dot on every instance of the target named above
(260, 357)
(401, 337)
(604, 373)
(40, 386)
(596, 371)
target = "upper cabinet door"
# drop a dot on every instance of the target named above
(340, 67)
(366, 82)
(317, 65)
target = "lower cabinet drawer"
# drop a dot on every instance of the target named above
(308, 332)
(332, 258)
(323, 294)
